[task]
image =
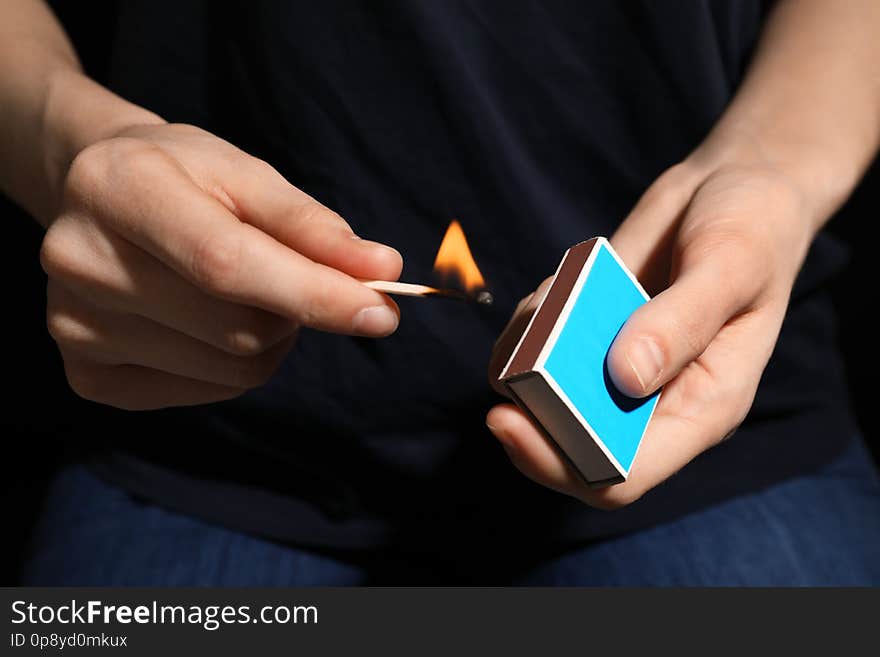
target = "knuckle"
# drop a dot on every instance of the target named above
(311, 214)
(243, 342)
(263, 168)
(88, 171)
(189, 130)
(740, 264)
(58, 250)
(254, 333)
(215, 263)
(674, 175)
(726, 244)
(64, 322)
(316, 305)
(67, 330)
(737, 248)
(313, 311)
(668, 185)
(691, 333)
(109, 166)
(108, 163)
(132, 163)
(732, 263)
(677, 171)
(56, 326)
(53, 251)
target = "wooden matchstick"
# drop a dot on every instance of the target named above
(404, 289)
(415, 290)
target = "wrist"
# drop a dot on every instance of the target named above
(821, 180)
(78, 112)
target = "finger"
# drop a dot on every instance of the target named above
(109, 338)
(135, 388)
(197, 236)
(263, 198)
(110, 273)
(675, 327)
(531, 452)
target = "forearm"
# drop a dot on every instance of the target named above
(49, 110)
(810, 102)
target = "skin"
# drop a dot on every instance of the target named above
(180, 268)
(196, 294)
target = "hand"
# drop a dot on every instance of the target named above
(726, 241)
(180, 269)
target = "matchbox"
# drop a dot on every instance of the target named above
(558, 372)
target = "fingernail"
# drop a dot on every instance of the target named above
(646, 360)
(376, 320)
(499, 434)
(370, 243)
(376, 245)
(384, 247)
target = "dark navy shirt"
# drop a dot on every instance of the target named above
(537, 125)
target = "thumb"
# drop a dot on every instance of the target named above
(642, 356)
(675, 327)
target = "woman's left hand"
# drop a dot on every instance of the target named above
(719, 241)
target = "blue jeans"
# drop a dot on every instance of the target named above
(822, 528)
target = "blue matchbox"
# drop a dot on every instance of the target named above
(558, 371)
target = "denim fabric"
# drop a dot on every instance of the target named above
(819, 529)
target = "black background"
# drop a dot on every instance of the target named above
(40, 411)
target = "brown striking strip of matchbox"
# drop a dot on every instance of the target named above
(548, 312)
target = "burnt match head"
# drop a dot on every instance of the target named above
(481, 297)
(484, 298)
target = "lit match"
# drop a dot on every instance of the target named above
(482, 297)
(453, 261)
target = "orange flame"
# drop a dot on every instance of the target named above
(454, 259)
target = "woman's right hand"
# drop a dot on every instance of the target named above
(180, 269)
